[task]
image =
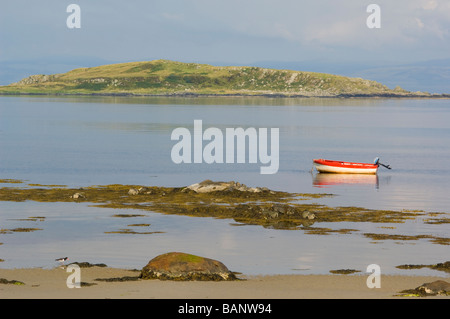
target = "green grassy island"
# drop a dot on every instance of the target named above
(164, 77)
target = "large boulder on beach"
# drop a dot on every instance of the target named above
(438, 287)
(182, 266)
(435, 288)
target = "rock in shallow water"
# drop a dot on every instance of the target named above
(78, 196)
(308, 215)
(133, 191)
(209, 186)
(182, 266)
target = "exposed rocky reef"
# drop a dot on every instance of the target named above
(230, 200)
(85, 264)
(344, 271)
(445, 266)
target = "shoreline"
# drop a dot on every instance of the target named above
(39, 283)
(52, 284)
(263, 95)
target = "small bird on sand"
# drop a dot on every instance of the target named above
(63, 259)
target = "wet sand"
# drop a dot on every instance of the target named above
(51, 284)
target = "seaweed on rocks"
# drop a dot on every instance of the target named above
(226, 200)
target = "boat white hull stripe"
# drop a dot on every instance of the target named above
(334, 169)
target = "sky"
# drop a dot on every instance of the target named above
(412, 45)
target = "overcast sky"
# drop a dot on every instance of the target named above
(226, 31)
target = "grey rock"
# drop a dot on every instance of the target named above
(269, 213)
(78, 196)
(308, 215)
(142, 190)
(283, 209)
(133, 191)
(438, 287)
(208, 186)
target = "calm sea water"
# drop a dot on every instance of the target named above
(83, 141)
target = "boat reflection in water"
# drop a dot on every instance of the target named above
(323, 180)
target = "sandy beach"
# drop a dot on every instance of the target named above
(51, 284)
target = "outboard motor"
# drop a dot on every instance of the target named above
(377, 162)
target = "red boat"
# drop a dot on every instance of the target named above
(328, 166)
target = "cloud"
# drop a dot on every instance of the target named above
(420, 24)
(234, 31)
(430, 5)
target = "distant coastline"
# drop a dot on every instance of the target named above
(176, 79)
(266, 95)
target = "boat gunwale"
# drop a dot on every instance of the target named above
(343, 164)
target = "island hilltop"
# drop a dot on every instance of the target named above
(164, 77)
